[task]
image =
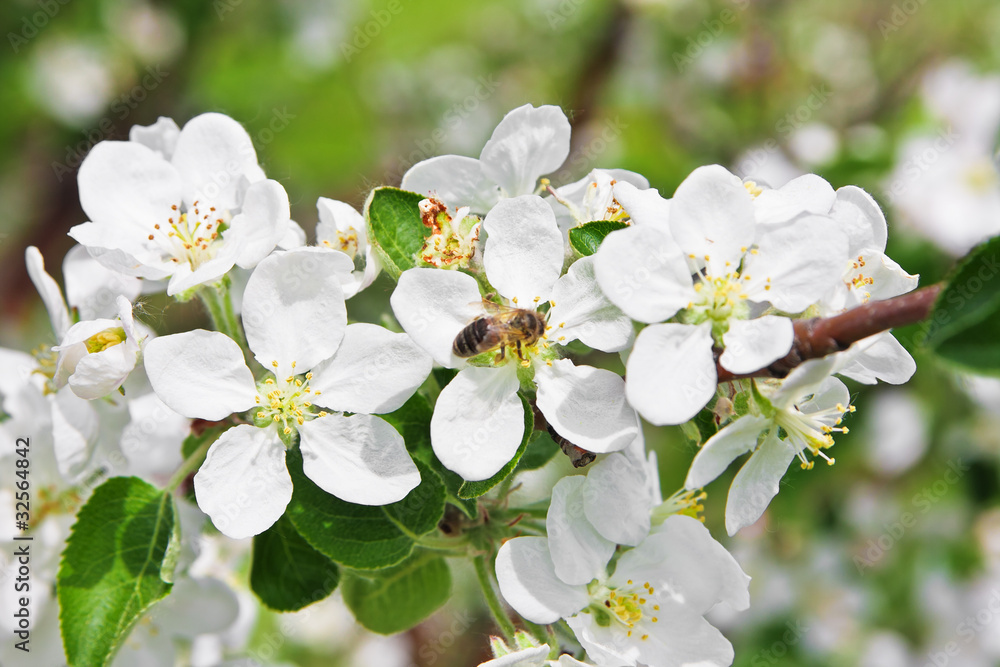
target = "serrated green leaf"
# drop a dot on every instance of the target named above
(397, 598)
(964, 323)
(356, 536)
(476, 489)
(422, 508)
(541, 448)
(286, 573)
(395, 227)
(112, 570)
(586, 238)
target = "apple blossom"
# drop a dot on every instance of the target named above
(342, 228)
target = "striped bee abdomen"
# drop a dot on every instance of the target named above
(475, 338)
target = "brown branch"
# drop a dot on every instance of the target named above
(820, 336)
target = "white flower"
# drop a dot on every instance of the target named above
(649, 611)
(295, 322)
(342, 228)
(592, 197)
(189, 219)
(527, 653)
(803, 411)
(740, 270)
(478, 420)
(528, 143)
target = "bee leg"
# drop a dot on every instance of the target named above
(501, 354)
(519, 355)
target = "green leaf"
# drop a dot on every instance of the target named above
(413, 421)
(541, 448)
(116, 565)
(586, 238)
(397, 598)
(287, 574)
(356, 536)
(964, 323)
(422, 508)
(395, 227)
(476, 489)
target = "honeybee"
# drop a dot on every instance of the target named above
(506, 326)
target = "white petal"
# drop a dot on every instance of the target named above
(127, 185)
(529, 584)
(243, 483)
(337, 216)
(360, 459)
(160, 137)
(213, 154)
(528, 657)
(671, 372)
(99, 373)
(373, 372)
(528, 143)
(200, 374)
(49, 290)
(682, 555)
(878, 357)
(754, 344)
(806, 194)
(208, 272)
(294, 237)
(889, 278)
(723, 448)
(524, 249)
(616, 500)
(712, 216)
(804, 379)
(91, 288)
(455, 180)
(579, 552)
(478, 421)
(433, 306)
(586, 405)
(197, 606)
(642, 271)
(293, 309)
(860, 218)
(74, 432)
(584, 313)
(644, 206)
(757, 482)
(803, 260)
(122, 252)
(261, 223)
(152, 439)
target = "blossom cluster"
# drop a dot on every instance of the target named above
(525, 325)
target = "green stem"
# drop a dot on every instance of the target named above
(544, 635)
(220, 308)
(189, 465)
(492, 601)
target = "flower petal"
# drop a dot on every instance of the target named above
(644, 206)
(586, 405)
(360, 459)
(723, 448)
(99, 373)
(796, 264)
(616, 500)
(243, 483)
(712, 216)
(200, 374)
(433, 306)
(642, 271)
(127, 185)
(878, 357)
(74, 432)
(806, 194)
(754, 344)
(582, 312)
(579, 553)
(671, 372)
(374, 371)
(120, 252)
(91, 288)
(528, 143)
(529, 584)
(524, 249)
(262, 222)
(160, 137)
(293, 309)
(860, 218)
(757, 482)
(213, 154)
(49, 290)
(455, 180)
(478, 421)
